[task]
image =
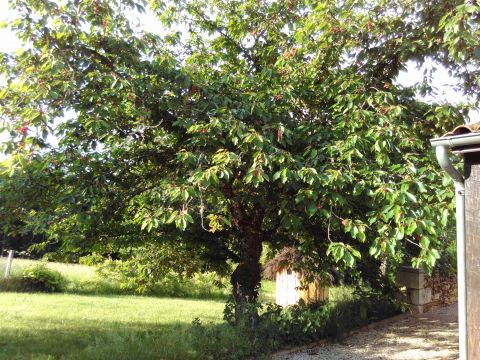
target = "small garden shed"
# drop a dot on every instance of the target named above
(292, 283)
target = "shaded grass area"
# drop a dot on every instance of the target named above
(267, 292)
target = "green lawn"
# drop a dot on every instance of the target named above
(104, 326)
(51, 326)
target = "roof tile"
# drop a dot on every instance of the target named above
(464, 129)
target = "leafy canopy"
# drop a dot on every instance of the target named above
(276, 121)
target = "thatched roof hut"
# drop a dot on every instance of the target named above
(286, 259)
(293, 281)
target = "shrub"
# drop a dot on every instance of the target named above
(40, 278)
(227, 342)
(278, 327)
(158, 268)
(91, 259)
(139, 278)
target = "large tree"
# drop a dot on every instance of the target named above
(242, 123)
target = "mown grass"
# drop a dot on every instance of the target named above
(92, 321)
(37, 326)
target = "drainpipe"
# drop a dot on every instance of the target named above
(458, 180)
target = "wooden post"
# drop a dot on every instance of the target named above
(472, 239)
(9, 263)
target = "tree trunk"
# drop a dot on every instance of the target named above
(246, 278)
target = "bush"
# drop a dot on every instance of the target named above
(91, 259)
(138, 278)
(40, 278)
(207, 285)
(278, 327)
(168, 269)
(301, 324)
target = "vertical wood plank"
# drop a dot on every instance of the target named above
(280, 286)
(472, 238)
(288, 289)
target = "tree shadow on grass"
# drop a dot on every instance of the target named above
(110, 340)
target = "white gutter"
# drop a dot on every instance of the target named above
(442, 146)
(457, 140)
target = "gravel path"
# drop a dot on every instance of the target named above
(432, 335)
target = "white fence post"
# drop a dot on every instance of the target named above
(9, 264)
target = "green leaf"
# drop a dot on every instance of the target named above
(374, 250)
(410, 196)
(171, 218)
(390, 248)
(400, 233)
(411, 228)
(361, 236)
(349, 259)
(424, 242)
(444, 217)
(145, 224)
(421, 187)
(311, 209)
(435, 253)
(355, 253)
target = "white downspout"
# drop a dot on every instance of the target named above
(444, 161)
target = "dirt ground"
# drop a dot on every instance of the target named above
(432, 335)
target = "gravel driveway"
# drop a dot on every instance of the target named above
(432, 335)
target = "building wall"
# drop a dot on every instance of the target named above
(472, 228)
